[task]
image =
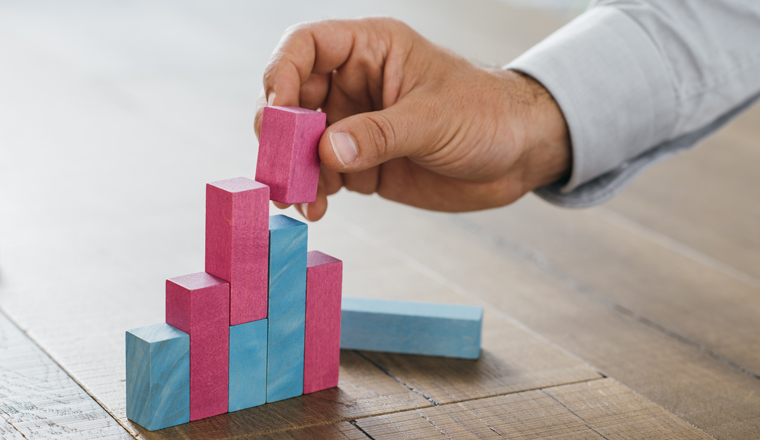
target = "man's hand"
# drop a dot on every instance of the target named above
(414, 122)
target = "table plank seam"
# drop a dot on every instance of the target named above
(543, 390)
(355, 425)
(489, 396)
(499, 244)
(394, 377)
(575, 414)
(65, 370)
(603, 413)
(673, 335)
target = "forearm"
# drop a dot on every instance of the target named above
(638, 81)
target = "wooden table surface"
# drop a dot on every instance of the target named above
(637, 319)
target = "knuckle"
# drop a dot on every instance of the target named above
(363, 182)
(352, 184)
(382, 134)
(296, 29)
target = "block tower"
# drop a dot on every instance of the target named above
(262, 322)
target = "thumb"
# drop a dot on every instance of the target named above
(369, 139)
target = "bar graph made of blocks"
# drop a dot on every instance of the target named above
(262, 322)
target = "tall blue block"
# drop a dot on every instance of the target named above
(287, 307)
(158, 376)
(248, 365)
(411, 327)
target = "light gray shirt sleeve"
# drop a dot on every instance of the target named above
(640, 80)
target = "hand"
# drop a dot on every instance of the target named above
(414, 122)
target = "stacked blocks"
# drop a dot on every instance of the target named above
(263, 322)
(158, 376)
(237, 215)
(234, 336)
(322, 349)
(411, 327)
(199, 305)
(288, 159)
(287, 307)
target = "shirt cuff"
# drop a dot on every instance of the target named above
(613, 86)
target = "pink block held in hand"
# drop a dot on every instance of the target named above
(288, 153)
(324, 276)
(237, 244)
(199, 305)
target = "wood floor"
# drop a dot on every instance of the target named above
(639, 319)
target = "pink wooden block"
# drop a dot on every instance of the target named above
(324, 276)
(199, 305)
(237, 244)
(288, 153)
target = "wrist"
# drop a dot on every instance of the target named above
(546, 157)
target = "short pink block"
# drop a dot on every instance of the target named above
(324, 277)
(199, 305)
(288, 153)
(237, 244)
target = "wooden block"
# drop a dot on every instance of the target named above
(199, 305)
(324, 277)
(248, 365)
(287, 307)
(411, 327)
(288, 153)
(158, 376)
(237, 240)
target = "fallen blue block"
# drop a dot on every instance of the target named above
(411, 327)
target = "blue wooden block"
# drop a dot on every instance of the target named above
(411, 327)
(248, 365)
(158, 376)
(287, 307)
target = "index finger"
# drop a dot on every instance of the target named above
(318, 47)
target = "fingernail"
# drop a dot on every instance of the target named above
(344, 147)
(304, 207)
(270, 101)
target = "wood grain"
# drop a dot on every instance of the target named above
(39, 400)
(594, 409)
(338, 431)
(619, 263)
(512, 279)
(287, 307)
(158, 376)
(324, 282)
(288, 153)
(237, 244)
(199, 305)
(248, 365)
(410, 327)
